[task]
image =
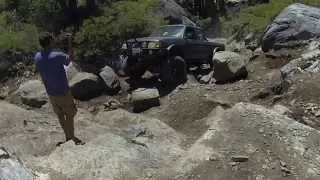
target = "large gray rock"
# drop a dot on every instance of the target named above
(207, 79)
(170, 9)
(71, 70)
(133, 147)
(25, 132)
(144, 98)
(111, 80)
(228, 67)
(4, 92)
(123, 145)
(119, 144)
(274, 146)
(219, 41)
(12, 169)
(309, 61)
(296, 22)
(28, 134)
(5, 65)
(236, 46)
(85, 86)
(33, 93)
(249, 2)
(314, 44)
(10, 117)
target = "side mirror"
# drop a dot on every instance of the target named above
(204, 38)
(188, 36)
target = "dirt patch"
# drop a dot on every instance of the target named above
(306, 87)
(185, 111)
(303, 99)
(277, 59)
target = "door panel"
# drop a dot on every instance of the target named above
(196, 48)
(200, 50)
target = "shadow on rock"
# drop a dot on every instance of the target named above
(164, 89)
(86, 90)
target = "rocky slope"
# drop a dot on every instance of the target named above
(265, 126)
(199, 132)
(245, 141)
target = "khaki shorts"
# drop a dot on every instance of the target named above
(64, 105)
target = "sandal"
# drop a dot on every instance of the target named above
(60, 143)
(77, 141)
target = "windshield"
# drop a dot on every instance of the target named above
(168, 31)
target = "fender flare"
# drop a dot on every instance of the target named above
(171, 47)
(216, 49)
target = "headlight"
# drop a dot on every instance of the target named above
(144, 45)
(153, 45)
(124, 46)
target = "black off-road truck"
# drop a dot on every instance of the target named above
(168, 51)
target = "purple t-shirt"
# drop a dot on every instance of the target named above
(50, 64)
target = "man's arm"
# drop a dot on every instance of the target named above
(70, 48)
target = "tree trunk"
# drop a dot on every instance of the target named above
(62, 3)
(73, 4)
(91, 5)
(222, 7)
(213, 13)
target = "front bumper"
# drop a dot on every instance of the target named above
(144, 59)
(152, 54)
(147, 56)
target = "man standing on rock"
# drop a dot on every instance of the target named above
(50, 64)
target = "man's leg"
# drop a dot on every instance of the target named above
(71, 111)
(61, 116)
(70, 127)
(62, 121)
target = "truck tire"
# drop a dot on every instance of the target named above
(210, 61)
(174, 71)
(210, 58)
(122, 65)
(136, 72)
(134, 69)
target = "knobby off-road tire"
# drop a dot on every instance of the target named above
(134, 70)
(210, 58)
(174, 71)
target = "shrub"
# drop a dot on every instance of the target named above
(15, 35)
(102, 35)
(205, 24)
(258, 17)
(2, 5)
(46, 14)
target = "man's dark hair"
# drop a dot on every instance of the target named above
(45, 39)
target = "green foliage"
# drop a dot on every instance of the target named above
(2, 5)
(43, 13)
(123, 20)
(17, 36)
(46, 14)
(20, 20)
(22, 8)
(206, 23)
(258, 17)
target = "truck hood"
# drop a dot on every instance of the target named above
(144, 39)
